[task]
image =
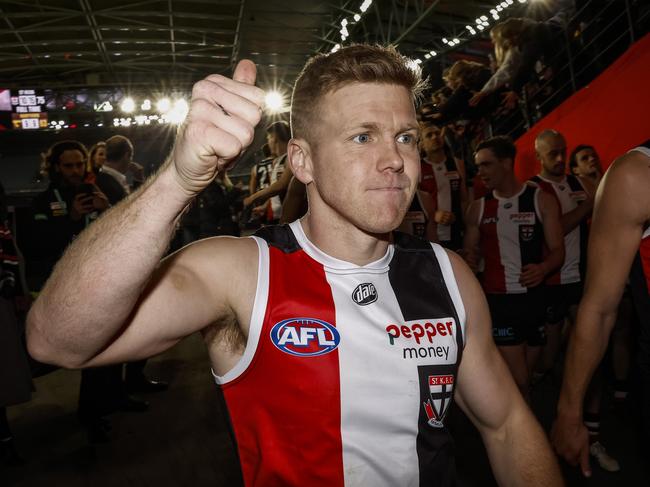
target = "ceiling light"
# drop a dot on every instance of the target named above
(127, 105)
(274, 101)
(163, 105)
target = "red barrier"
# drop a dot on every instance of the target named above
(612, 113)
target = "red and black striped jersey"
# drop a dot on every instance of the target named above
(444, 181)
(512, 236)
(348, 371)
(569, 193)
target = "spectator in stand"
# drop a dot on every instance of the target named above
(114, 175)
(518, 44)
(15, 376)
(61, 213)
(463, 78)
(97, 156)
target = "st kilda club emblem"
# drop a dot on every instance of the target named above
(436, 392)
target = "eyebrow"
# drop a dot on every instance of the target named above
(374, 127)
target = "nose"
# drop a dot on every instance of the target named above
(390, 157)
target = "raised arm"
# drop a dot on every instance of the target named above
(103, 291)
(519, 452)
(616, 232)
(575, 217)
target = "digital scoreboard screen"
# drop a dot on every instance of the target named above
(28, 108)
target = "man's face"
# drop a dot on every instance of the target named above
(551, 152)
(491, 169)
(365, 160)
(431, 139)
(588, 163)
(72, 167)
(272, 141)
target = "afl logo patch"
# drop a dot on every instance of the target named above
(305, 337)
(364, 294)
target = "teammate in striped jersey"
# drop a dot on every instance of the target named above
(619, 242)
(510, 226)
(339, 346)
(575, 196)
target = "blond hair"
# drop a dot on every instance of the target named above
(358, 63)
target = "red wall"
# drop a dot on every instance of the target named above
(612, 113)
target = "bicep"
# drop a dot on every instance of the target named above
(614, 239)
(553, 234)
(185, 295)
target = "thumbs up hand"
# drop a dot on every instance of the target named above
(219, 126)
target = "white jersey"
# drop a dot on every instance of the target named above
(569, 193)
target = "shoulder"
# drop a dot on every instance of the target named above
(547, 201)
(628, 175)
(228, 251)
(221, 265)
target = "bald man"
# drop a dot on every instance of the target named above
(575, 196)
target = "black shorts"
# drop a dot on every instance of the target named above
(559, 299)
(518, 318)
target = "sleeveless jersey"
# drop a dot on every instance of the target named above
(348, 371)
(512, 236)
(444, 181)
(569, 193)
(416, 218)
(640, 272)
(263, 171)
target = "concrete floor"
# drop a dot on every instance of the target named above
(183, 439)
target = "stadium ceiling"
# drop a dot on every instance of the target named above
(162, 43)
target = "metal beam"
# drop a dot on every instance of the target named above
(423, 16)
(237, 40)
(97, 35)
(171, 31)
(20, 39)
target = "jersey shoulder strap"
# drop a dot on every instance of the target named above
(279, 236)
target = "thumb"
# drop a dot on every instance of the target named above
(584, 462)
(245, 72)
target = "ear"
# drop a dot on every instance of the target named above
(300, 161)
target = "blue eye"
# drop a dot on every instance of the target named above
(361, 138)
(406, 139)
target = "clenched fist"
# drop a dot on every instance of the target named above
(219, 126)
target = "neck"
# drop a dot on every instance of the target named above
(437, 156)
(547, 175)
(509, 187)
(120, 166)
(342, 240)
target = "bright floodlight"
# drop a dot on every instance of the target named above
(163, 105)
(178, 113)
(274, 101)
(127, 105)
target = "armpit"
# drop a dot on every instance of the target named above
(226, 335)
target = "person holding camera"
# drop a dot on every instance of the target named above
(60, 213)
